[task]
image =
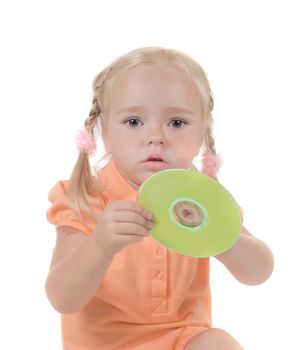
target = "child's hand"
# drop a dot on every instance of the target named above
(121, 223)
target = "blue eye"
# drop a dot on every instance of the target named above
(133, 122)
(178, 123)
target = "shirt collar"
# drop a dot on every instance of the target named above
(113, 184)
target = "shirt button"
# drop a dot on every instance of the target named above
(159, 251)
(161, 276)
(158, 275)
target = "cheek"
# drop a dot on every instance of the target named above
(121, 142)
(185, 152)
(191, 142)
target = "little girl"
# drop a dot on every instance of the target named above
(114, 285)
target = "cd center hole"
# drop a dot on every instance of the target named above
(187, 213)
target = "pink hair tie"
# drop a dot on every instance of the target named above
(85, 142)
(211, 164)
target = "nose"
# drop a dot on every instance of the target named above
(156, 136)
(155, 140)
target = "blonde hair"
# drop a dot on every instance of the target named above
(83, 186)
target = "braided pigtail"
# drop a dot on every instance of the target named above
(83, 186)
(209, 139)
(211, 161)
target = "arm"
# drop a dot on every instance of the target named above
(249, 260)
(80, 262)
(77, 268)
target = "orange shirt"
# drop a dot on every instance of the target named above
(150, 298)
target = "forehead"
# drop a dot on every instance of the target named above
(154, 85)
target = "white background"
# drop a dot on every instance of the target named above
(50, 53)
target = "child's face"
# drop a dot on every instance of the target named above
(153, 127)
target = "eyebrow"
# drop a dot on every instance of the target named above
(140, 108)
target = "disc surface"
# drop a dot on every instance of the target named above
(193, 214)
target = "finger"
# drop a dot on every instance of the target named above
(133, 206)
(132, 217)
(131, 229)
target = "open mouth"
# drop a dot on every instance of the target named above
(154, 160)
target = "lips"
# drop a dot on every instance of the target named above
(154, 157)
(155, 162)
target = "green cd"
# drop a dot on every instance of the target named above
(193, 214)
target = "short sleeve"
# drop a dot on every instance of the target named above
(60, 213)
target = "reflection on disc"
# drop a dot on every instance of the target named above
(193, 214)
